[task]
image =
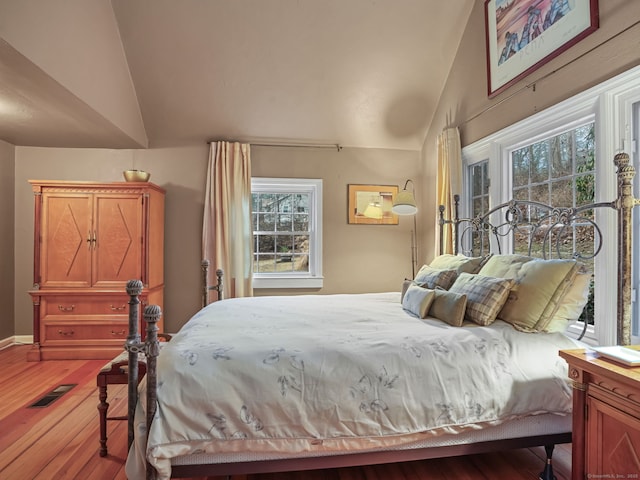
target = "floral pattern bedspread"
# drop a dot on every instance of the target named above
(339, 372)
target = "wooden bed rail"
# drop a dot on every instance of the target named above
(546, 226)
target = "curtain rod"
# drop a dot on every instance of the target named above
(337, 146)
(543, 77)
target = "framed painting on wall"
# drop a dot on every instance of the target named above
(523, 35)
(371, 204)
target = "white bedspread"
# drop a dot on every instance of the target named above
(339, 372)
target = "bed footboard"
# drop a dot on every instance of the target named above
(150, 348)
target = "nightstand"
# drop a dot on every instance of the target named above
(606, 417)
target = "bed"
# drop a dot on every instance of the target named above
(464, 359)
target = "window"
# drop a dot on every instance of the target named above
(287, 232)
(564, 156)
(478, 200)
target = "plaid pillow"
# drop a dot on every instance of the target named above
(485, 296)
(432, 277)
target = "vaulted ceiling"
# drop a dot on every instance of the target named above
(139, 73)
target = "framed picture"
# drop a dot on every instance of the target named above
(371, 204)
(523, 35)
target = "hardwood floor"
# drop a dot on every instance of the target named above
(60, 441)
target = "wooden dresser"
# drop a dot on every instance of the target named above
(89, 240)
(606, 417)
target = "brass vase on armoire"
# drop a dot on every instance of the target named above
(89, 240)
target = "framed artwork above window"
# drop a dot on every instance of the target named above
(523, 35)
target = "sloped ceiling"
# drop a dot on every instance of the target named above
(365, 73)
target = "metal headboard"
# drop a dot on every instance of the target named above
(547, 231)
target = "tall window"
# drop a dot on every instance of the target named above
(287, 239)
(552, 156)
(560, 171)
(479, 201)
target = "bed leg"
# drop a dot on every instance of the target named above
(547, 473)
(103, 408)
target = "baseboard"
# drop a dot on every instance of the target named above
(16, 340)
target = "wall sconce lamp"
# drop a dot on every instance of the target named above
(405, 204)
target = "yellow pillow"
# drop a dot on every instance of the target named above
(461, 263)
(504, 266)
(571, 304)
(539, 286)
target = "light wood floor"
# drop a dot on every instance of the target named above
(61, 441)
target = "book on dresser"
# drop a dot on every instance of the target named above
(620, 354)
(90, 239)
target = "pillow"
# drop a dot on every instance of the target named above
(485, 296)
(431, 277)
(504, 266)
(540, 284)
(460, 263)
(572, 304)
(417, 300)
(448, 307)
(405, 286)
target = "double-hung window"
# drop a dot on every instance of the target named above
(287, 232)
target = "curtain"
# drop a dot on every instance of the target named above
(226, 227)
(449, 180)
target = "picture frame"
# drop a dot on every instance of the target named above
(523, 35)
(371, 204)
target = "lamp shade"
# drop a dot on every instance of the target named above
(373, 210)
(405, 203)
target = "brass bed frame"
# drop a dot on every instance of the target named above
(546, 219)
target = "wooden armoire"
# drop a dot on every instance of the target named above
(89, 240)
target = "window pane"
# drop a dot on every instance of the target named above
(540, 193)
(585, 189)
(539, 158)
(265, 244)
(266, 222)
(302, 203)
(520, 165)
(285, 223)
(301, 222)
(562, 193)
(561, 155)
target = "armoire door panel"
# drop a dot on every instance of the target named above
(118, 229)
(66, 246)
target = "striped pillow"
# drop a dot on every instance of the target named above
(485, 296)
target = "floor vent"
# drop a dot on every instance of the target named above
(52, 396)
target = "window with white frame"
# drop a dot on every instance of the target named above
(478, 175)
(287, 232)
(564, 155)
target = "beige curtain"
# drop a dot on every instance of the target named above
(226, 227)
(449, 180)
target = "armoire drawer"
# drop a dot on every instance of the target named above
(84, 305)
(83, 332)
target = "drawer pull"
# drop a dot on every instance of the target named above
(62, 308)
(65, 334)
(120, 333)
(118, 309)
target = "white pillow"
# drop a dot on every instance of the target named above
(417, 300)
